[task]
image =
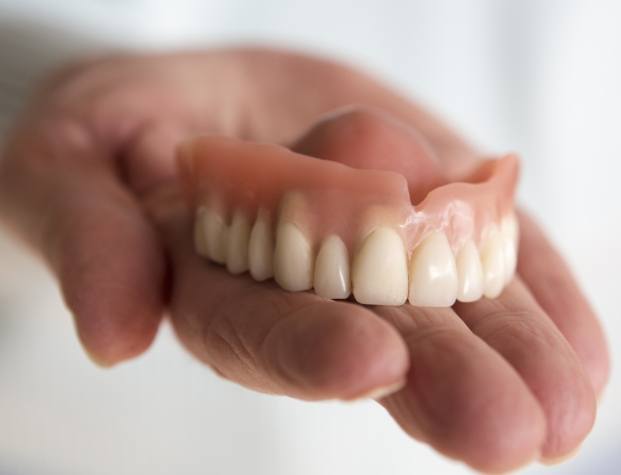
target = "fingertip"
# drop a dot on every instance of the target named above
(592, 348)
(107, 355)
(599, 373)
(115, 334)
(507, 436)
(515, 447)
(467, 403)
(337, 350)
(571, 416)
(560, 459)
(111, 271)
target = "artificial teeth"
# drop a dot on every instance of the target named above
(331, 279)
(469, 273)
(493, 262)
(379, 270)
(238, 240)
(261, 247)
(510, 236)
(215, 231)
(433, 273)
(293, 259)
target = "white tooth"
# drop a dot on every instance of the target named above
(293, 259)
(510, 230)
(237, 251)
(509, 226)
(510, 258)
(332, 269)
(200, 242)
(261, 247)
(433, 274)
(215, 235)
(469, 273)
(493, 262)
(379, 270)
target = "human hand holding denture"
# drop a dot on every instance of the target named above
(391, 279)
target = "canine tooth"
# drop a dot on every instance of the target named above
(215, 235)
(261, 247)
(237, 250)
(469, 273)
(493, 262)
(293, 258)
(510, 230)
(433, 274)
(380, 271)
(200, 243)
(509, 226)
(332, 269)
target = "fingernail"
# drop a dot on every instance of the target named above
(560, 459)
(379, 393)
(98, 362)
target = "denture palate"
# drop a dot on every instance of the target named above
(343, 231)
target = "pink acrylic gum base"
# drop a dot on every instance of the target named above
(332, 198)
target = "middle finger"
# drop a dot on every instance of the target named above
(517, 328)
(461, 396)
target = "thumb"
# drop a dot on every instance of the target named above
(61, 193)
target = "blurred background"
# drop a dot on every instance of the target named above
(541, 78)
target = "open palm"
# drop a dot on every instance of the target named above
(88, 178)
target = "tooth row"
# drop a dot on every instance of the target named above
(379, 273)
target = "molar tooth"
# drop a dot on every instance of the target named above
(493, 262)
(379, 271)
(215, 230)
(433, 273)
(200, 242)
(510, 232)
(293, 258)
(237, 250)
(469, 273)
(332, 269)
(261, 247)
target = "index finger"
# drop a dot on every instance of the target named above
(264, 338)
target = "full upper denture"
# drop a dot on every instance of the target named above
(341, 230)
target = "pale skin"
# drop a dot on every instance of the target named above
(88, 179)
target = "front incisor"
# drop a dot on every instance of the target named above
(332, 269)
(469, 273)
(379, 270)
(433, 274)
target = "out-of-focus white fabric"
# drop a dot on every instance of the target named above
(537, 77)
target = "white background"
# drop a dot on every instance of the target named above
(538, 77)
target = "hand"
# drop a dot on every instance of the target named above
(88, 179)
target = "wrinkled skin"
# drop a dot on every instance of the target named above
(88, 179)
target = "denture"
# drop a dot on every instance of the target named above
(342, 231)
